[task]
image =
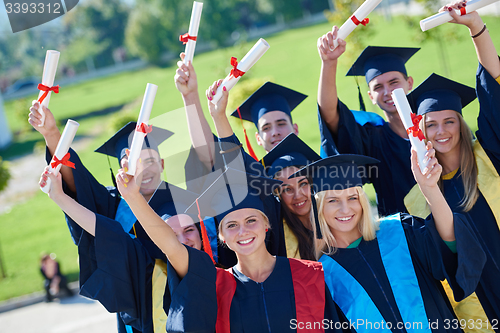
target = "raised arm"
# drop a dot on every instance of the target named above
(441, 212)
(485, 49)
(327, 89)
(199, 130)
(81, 215)
(218, 112)
(159, 231)
(51, 135)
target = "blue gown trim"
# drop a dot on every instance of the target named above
(401, 273)
(363, 117)
(351, 297)
(355, 302)
(125, 216)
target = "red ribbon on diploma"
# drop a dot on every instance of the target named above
(235, 71)
(41, 87)
(357, 22)
(143, 128)
(64, 161)
(415, 130)
(184, 38)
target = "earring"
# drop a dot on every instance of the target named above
(267, 229)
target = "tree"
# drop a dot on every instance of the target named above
(99, 25)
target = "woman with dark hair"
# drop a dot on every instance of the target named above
(261, 293)
(294, 194)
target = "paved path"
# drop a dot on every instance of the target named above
(69, 315)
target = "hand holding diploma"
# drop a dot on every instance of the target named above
(61, 156)
(411, 123)
(190, 38)
(142, 127)
(443, 17)
(359, 17)
(240, 68)
(47, 85)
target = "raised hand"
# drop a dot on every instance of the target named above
(35, 119)
(325, 46)
(218, 109)
(431, 174)
(471, 20)
(55, 190)
(185, 77)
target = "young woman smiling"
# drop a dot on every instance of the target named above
(294, 194)
(470, 181)
(261, 293)
(385, 275)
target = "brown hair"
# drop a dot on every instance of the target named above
(468, 166)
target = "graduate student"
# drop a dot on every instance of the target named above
(294, 194)
(81, 185)
(470, 181)
(261, 293)
(385, 275)
(126, 276)
(365, 133)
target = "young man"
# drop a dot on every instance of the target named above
(80, 184)
(269, 108)
(344, 131)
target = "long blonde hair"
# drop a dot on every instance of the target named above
(468, 166)
(367, 226)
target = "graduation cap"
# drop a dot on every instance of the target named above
(377, 60)
(438, 93)
(269, 97)
(122, 140)
(338, 172)
(291, 151)
(231, 191)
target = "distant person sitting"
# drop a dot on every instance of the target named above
(54, 280)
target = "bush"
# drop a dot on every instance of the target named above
(4, 174)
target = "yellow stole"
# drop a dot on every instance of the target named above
(291, 242)
(488, 183)
(159, 284)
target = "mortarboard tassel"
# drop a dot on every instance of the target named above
(204, 235)
(319, 235)
(249, 147)
(113, 179)
(362, 106)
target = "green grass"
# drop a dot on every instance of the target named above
(38, 225)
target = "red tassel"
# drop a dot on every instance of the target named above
(204, 235)
(249, 146)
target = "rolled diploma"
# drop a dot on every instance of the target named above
(404, 110)
(49, 74)
(138, 139)
(62, 149)
(443, 17)
(194, 24)
(361, 13)
(244, 65)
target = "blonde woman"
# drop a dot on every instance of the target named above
(384, 275)
(261, 293)
(470, 181)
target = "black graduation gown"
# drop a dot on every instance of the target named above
(432, 261)
(481, 215)
(366, 133)
(122, 272)
(269, 306)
